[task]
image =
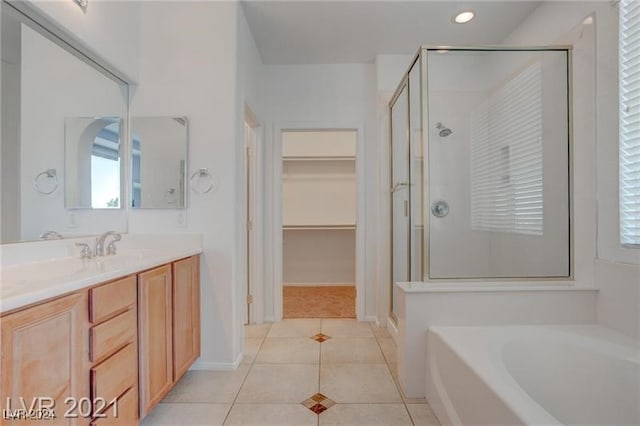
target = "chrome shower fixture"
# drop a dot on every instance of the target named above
(444, 130)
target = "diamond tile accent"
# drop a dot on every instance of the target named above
(318, 403)
(318, 408)
(320, 337)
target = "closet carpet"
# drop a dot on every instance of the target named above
(319, 301)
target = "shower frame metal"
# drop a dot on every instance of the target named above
(421, 59)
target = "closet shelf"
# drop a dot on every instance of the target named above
(317, 227)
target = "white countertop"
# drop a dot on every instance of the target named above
(27, 282)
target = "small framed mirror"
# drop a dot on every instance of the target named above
(159, 162)
(92, 163)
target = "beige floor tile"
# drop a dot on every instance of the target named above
(279, 383)
(251, 346)
(422, 415)
(366, 414)
(358, 383)
(187, 415)
(271, 414)
(389, 349)
(289, 350)
(295, 328)
(352, 350)
(257, 330)
(393, 368)
(346, 328)
(380, 332)
(208, 386)
(414, 400)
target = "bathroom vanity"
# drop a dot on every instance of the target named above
(104, 353)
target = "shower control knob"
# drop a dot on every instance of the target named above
(440, 208)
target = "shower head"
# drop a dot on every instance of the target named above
(444, 131)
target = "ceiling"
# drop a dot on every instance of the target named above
(331, 32)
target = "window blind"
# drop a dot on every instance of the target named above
(506, 157)
(629, 69)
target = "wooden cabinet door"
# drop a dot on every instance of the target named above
(186, 314)
(155, 336)
(45, 355)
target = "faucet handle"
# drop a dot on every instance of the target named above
(111, 248)
(86, 252)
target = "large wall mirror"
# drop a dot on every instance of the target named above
(62, 123)
(158, 162)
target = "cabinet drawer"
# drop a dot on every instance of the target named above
(116, 374)
(111, 298)
(123, 413)
(112, 334)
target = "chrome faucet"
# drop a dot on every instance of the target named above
(51, 235)
(86, 252)
(111, 248)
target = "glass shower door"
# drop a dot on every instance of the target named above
(498, 164)
(401, 240)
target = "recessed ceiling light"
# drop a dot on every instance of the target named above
(463, 17)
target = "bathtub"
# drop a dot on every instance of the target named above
(533, 375)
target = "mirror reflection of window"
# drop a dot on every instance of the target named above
(105, 168)
(92, 165)
(135, 172)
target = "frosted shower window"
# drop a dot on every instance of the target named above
(498, 158)
(630, 122)
(506, 160)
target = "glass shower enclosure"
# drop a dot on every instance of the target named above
(480, 166)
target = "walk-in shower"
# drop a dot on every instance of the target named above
(480, 165)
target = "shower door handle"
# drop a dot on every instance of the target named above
(399, 185)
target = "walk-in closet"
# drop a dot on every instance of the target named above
(319, 196)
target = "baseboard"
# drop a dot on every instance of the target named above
(371, 318)
(217, 366)
(393, 329)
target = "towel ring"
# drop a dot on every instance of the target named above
(202, 181)
(46, 182)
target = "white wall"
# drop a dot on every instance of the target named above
(187, 67)
(617, 270)
(319, 257)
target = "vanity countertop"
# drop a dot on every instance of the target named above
(27, 283)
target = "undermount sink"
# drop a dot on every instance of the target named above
(46, 270)
(14, 277)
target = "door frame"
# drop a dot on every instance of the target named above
(276, 225)
(253, 196)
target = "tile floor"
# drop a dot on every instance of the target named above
(299, 372)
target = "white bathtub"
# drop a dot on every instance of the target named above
(533, 375)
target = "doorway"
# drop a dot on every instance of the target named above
(319, 210)
(253, 201)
